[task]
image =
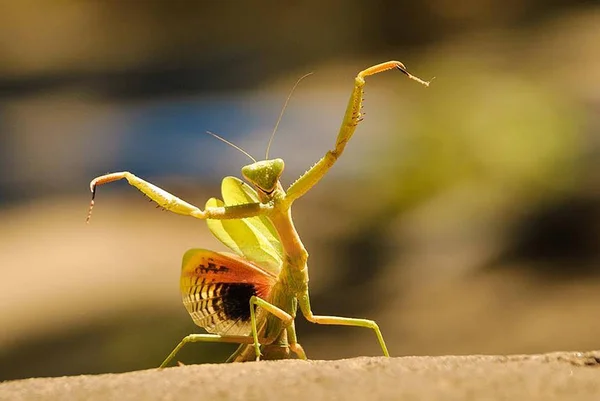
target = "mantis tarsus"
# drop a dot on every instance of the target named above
(251, 297)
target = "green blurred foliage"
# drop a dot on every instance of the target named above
(496, 130)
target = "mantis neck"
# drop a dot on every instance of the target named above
(293, 247)
(294, 272)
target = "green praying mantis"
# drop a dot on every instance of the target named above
(251, 296)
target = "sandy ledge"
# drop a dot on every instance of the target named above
(556, 376)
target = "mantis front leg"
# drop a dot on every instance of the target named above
(174, 204)
(351, 119)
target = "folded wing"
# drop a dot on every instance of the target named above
(253, 238)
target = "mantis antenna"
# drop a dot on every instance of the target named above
(233, 145)
(281, 114)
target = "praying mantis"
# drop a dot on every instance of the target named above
(251, 296)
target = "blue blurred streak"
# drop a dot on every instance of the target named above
(172, 132)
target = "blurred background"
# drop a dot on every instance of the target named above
(464, 217)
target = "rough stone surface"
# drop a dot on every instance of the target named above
(558, 376)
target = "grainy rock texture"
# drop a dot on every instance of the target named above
(557, 376)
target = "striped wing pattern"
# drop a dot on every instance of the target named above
(216, 290)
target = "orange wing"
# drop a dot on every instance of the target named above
(216, 290)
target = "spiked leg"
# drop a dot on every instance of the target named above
(351, 119)
(173, 204)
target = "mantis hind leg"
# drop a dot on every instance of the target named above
(253, 339)
(341, 321)
(282, 348)
(212, 338)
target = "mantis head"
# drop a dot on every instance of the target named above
(264, 174)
